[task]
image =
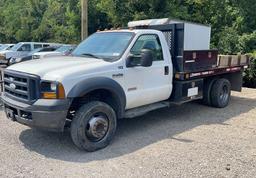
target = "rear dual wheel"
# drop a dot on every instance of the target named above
(220, 93)
(217, 93)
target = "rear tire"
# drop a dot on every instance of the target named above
(207, 92)
(220, 93)
(93, 126)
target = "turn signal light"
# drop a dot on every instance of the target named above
(61, 91)
(57, 91)
(49, 95)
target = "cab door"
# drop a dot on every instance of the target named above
(146, 85)
(23, 50)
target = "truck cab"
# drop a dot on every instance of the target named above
(112, 75)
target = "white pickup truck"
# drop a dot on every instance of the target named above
(118, 74)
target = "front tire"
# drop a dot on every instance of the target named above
(220, 93)
(93, 126)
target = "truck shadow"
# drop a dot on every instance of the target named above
(138, 133)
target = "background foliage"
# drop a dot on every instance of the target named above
(250, 74)
(233, 21)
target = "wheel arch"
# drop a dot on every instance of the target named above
(101, 85)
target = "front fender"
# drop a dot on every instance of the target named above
(88, 85)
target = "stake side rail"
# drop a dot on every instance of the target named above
(208, 73)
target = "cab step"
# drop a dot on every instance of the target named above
(131, 113)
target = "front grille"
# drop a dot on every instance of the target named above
(21, 86)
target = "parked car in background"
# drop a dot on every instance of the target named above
(30, 55)
(6, 46)
(20, 50)
(64, 50)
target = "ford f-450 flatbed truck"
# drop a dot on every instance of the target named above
(118, 74)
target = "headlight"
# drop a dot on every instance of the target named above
(2, 56)
(52, 90)
(36, 57)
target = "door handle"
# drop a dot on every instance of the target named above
(166, 70)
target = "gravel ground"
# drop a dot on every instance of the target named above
(186, 141)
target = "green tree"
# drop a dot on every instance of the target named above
(233, 22)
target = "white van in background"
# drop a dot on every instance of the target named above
(20, 50)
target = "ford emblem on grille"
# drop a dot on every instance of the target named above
(13, 86)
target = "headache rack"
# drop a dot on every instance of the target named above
(189, 45)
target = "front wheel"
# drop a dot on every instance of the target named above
(93, 126)
(220, 93)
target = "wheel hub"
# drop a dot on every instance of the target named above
(97, 128)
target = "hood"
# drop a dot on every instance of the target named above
(46, 53)
(8, 53)
(5, 51)
(58, 67)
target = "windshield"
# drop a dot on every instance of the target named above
(16, 47)
(108, 46)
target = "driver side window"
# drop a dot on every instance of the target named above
(25, 47)
(150, 42)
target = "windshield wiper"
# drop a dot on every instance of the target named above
(91, 55)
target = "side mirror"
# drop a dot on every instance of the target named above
(145, 59)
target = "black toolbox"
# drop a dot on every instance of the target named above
(193, 61)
